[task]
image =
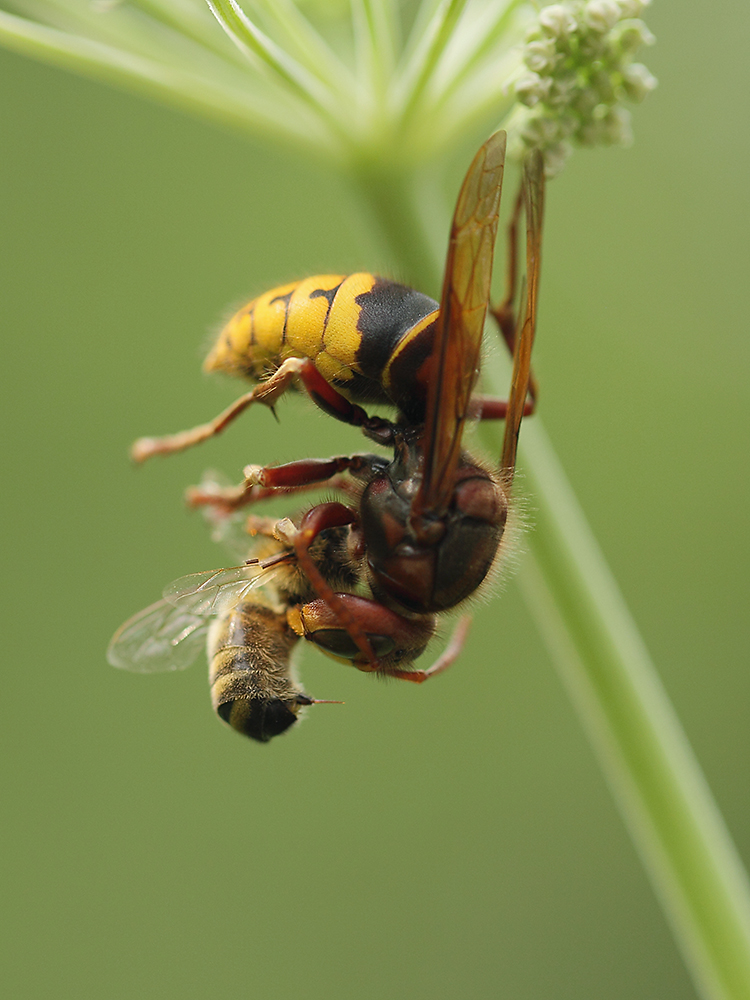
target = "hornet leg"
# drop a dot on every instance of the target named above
(267, 393)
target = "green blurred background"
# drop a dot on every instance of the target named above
(455, 840)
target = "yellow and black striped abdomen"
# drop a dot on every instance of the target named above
(250, 673)
(367, 336)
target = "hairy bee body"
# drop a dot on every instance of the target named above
(253, 688)
(367, 336)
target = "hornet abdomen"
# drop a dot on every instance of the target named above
(367, 336)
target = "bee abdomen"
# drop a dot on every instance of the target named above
(351, 327)
(252, 687)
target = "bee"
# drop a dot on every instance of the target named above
(250, 645)
(426, 525)
(239, 616)
(250, 619)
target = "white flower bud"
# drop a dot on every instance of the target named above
(557, 21)
(540, 56)
(602, 15)
(638, 81)
(628, 36)
(579, 71)
(531, 89)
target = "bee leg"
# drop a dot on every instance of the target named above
(255, 524)
(267, 393)
(446, 659)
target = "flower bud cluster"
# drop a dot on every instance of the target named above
(579, 69)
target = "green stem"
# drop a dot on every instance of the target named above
(641, 747)
(390, 195)
(636, 736)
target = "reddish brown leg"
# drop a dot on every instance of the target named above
(268, 392)
(395, 639)
(308, 472)
(504, 313)
(491, 408)
(446, 659)
(330, 515)
(335, 405)
(317, 622)
(230, 498)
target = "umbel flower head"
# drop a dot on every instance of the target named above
(371, 85)
(579, 69)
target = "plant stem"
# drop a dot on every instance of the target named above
(647, 761)
(389, 194)
(641, 747)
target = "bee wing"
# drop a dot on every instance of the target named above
(208, 593)
(460, 324)
(230, 531)
(159, 638)
(533, 194)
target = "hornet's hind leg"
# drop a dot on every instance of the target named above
(268, 392)
(504, 314)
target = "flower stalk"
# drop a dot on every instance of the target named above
(643, 751)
